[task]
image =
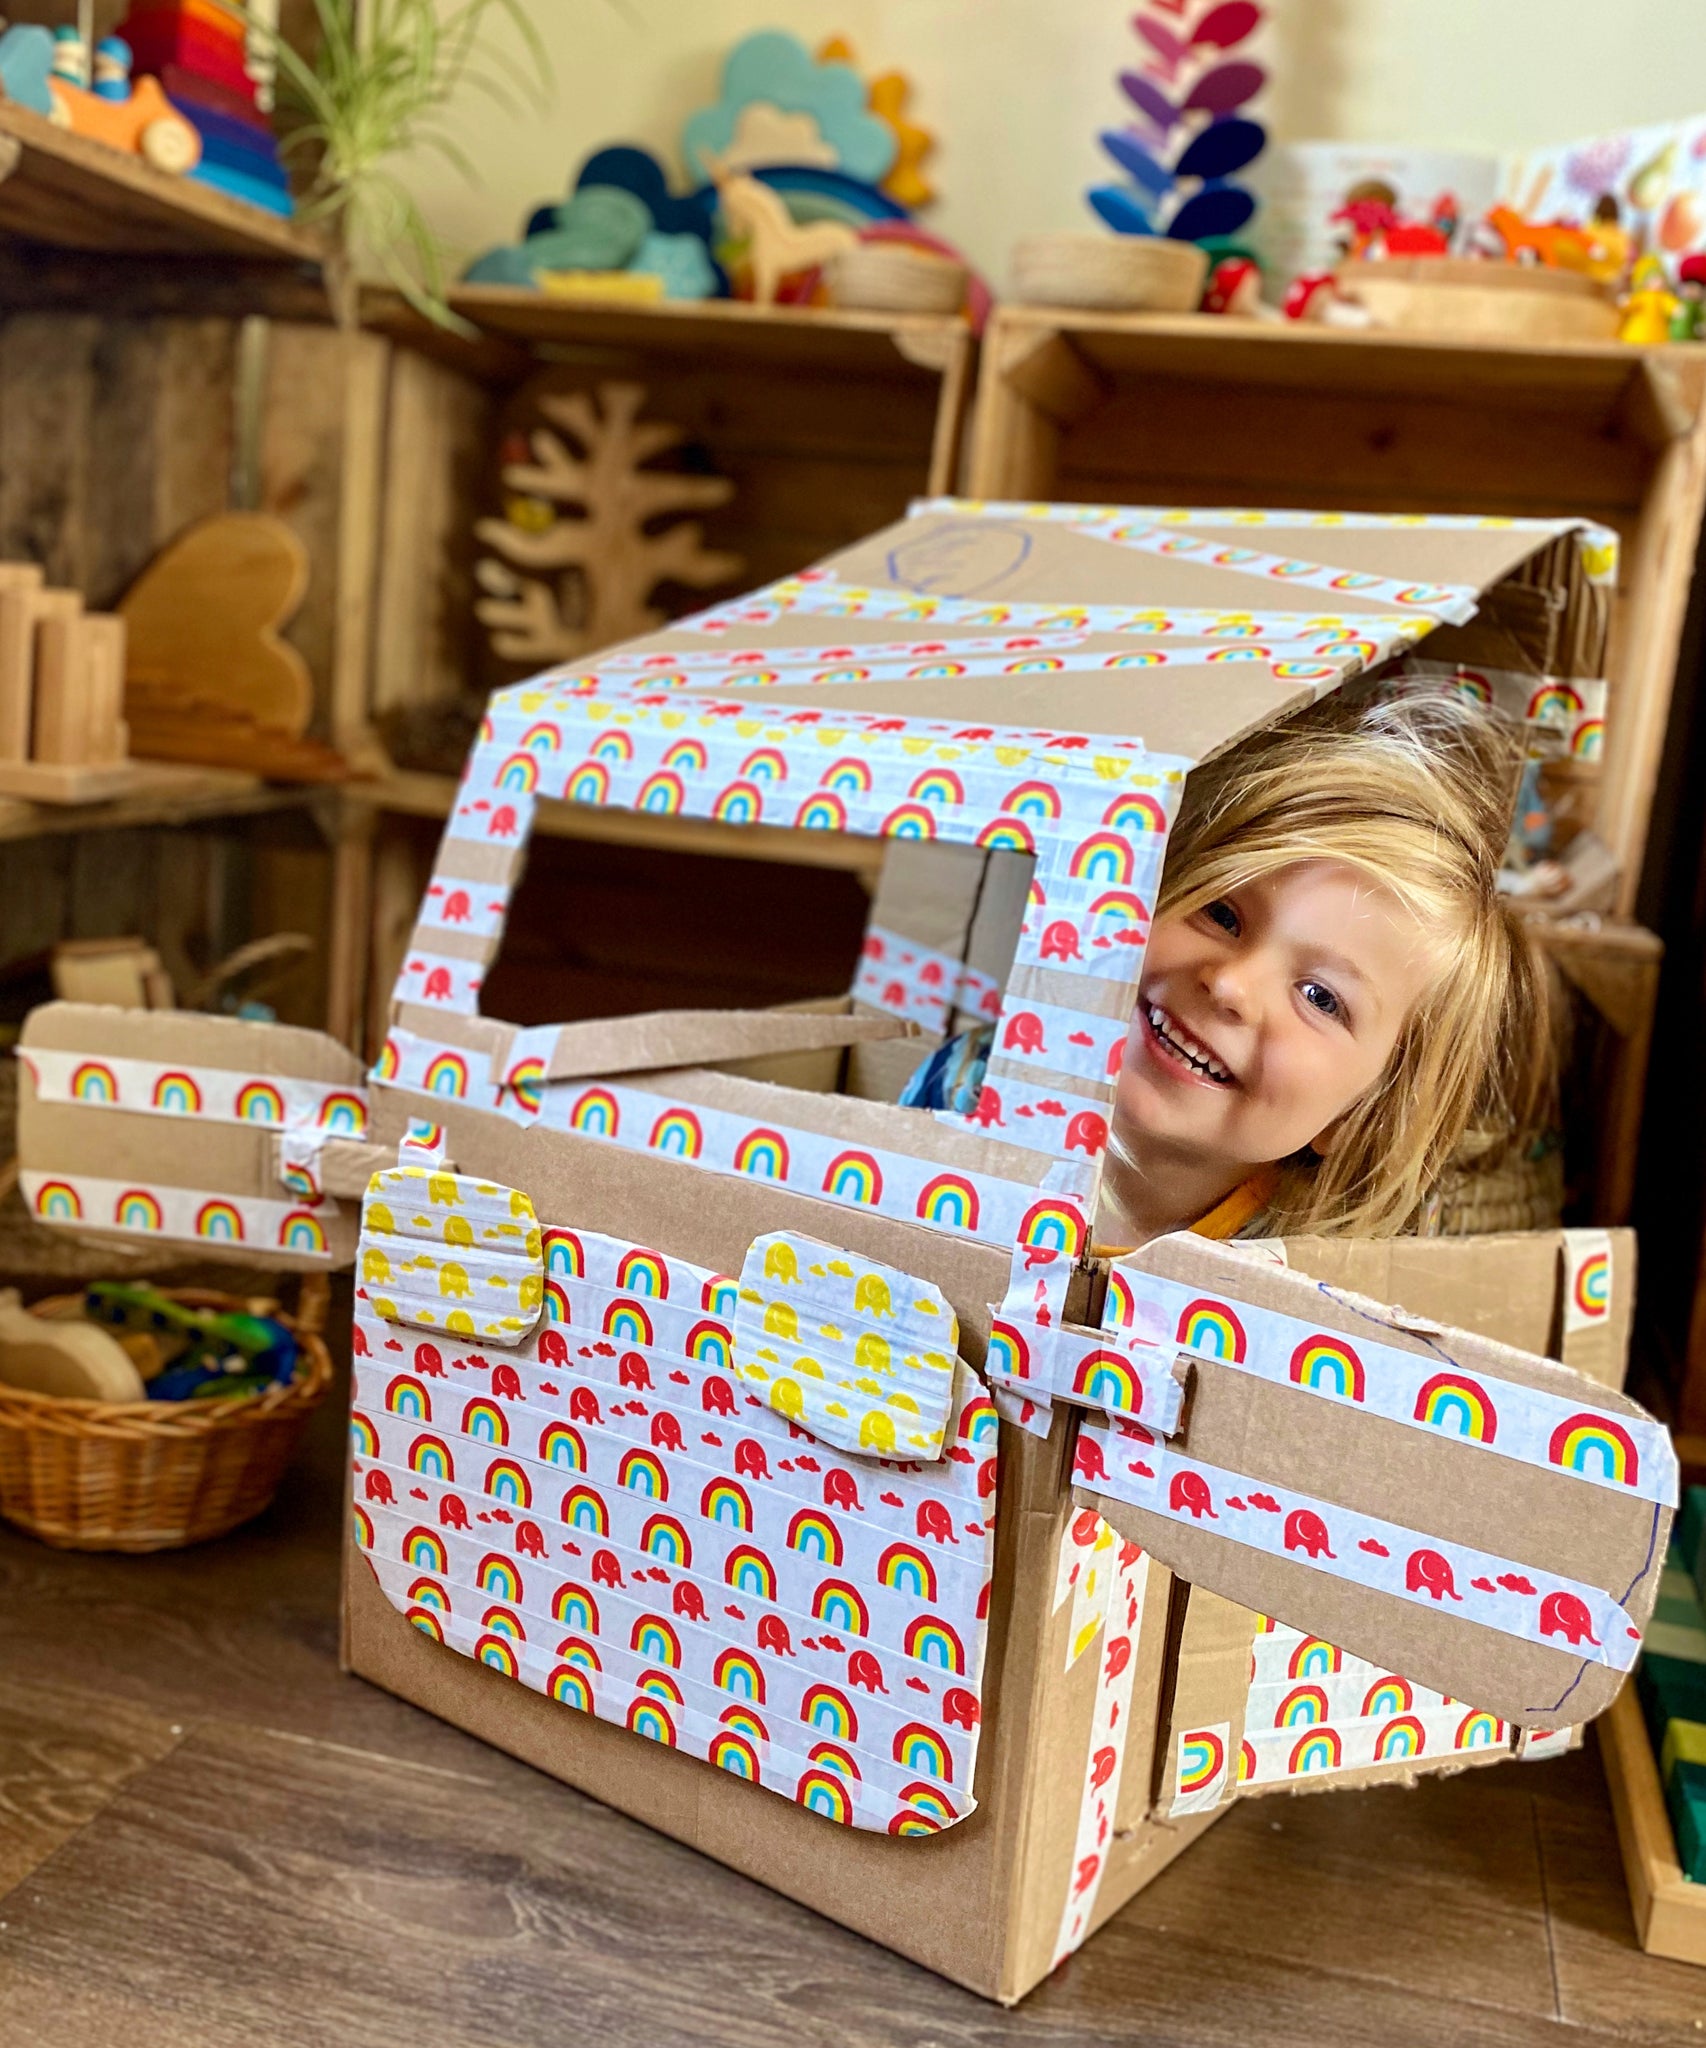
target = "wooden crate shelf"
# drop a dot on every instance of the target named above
(68, 192)
(1670, 1912)
(1195, 410)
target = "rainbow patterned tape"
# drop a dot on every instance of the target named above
(190, 1214)
(1125, 1460)
(1116, 1606)
(1587, 1280)
(605, 1515)
(1599, 545)
(1422, 1390)
(976, 1205)
(1201, 1769)
(1317, 658)
(1313, 1708)
(1165, 531)
(1575, 710)
(212, 1093)
(861, 1354)
(442, 1251)
(819, 594)
(1121, 1375)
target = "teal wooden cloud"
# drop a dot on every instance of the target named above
(776, 70)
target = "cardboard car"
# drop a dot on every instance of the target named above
(784, 1465)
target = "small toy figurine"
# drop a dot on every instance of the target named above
(1554, 243)
(70, 56)
(1316, 300)
(1650, 306)
(1235, 287)
(1688, 322)
(112, 68)
(142, 121)
(1378, 229)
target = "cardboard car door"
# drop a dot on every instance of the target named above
(1489, 1522)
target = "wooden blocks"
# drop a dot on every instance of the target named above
(62, 732)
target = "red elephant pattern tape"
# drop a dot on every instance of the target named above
(1125, 1461)
(604, 1514)
(1420, 1389)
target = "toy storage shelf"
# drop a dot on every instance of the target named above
(1670, 1912)
(826, 423)
(1196, 410)
(160, 795)
(68, 192)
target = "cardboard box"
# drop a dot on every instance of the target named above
(886, 1608)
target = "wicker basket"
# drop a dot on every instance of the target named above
(155, 1475)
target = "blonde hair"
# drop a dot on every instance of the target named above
(1417, 795)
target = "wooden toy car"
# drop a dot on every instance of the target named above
(146, 123)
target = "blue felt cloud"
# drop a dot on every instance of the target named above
(682, 261)
(26, 59)
(776, 67)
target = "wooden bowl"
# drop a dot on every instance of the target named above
(1109, 273)
(1461, 299)
(891, 277)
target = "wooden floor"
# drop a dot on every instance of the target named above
(209, 1838)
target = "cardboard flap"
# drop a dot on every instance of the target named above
(183, 1126)
(449, 1253)
(691, 1038)
(862, 1355)
(1488, 1522)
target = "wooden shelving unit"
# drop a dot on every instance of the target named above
(1198, 410)
(68, 192)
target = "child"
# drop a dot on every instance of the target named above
(1333, 990)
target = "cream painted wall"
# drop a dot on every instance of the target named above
(1016, 89)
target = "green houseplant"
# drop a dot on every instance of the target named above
(377, 86)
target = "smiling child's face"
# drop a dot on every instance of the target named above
(1265, 1015)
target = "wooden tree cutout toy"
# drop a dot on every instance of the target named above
(589, 579)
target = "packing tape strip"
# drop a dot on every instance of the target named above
(1273, 1756)
(1202, 1766)
(1053, 1120)
(974, 1205)
(439, 981)
(711, 670)
(691, 1715)
(1165, 530)
(192, 1215)
(824, 595)
(1073, 1042)
(723, 1561)
(1087, 1367)
(1408, 1564)
(1554, 1432)
(1110, 1728)
(1310, 659)
(1014, 791)
(215, 1094)
(1588, 1280)
(1279, 518)
(712, 1446)
(1454, 602)
(907, 978)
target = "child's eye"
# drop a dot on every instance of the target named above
(1223, 915)
(1320, 997)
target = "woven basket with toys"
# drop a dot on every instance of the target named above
(139, 1418)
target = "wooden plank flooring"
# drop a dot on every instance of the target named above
(209, 1838)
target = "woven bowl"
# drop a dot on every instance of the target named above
(1109, 273)
(156, 1475)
